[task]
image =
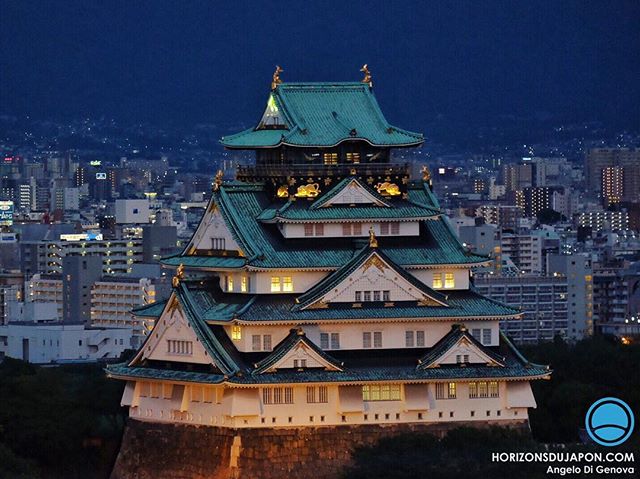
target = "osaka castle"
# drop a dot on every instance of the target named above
(325, 286)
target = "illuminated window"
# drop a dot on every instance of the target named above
(449, 281)
(209, 395)
(229, 283)
(275, 284)
(437, 280)
(452, 390)
(236, 333)
(353, 157)
(493, 389)
(244, 284)
(473, 390)
(287, 284)
(381, 392)
(330, 158)
(445, 390)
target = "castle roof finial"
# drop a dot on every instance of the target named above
(276, 77)
(178, 277)
(367, 75)
(373, 241)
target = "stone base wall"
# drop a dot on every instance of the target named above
(177, 451)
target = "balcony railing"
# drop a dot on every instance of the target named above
(319, 169)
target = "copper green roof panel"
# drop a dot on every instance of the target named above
(324, 114)
(193, 261)
(152, 310)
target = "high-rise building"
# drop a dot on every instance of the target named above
(622, 172)
(612, 185)
(79, 273)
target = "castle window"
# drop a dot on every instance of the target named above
(229, 283)
(167, 390)
(353, 157)
(308, 230)
(324, 340)
(483, 391)
(377, 339)
(209, 394)
(144, 389)
(408, 339)
(493, 389)
(244, 284)
(179, 347)
(236, 333)
(320, 230)
(256, 342)
(376, 295)
(395, 228)
(384, 228)
(317, 394)
(287, 284)
(367, 295)
(366, 339)
(156, 390)
(420, 339)
(448, 393)
(299, 363)
(278, 395)
(330, 158)
(437, 280)
(266, 342)
(381, 392)
(358, 296)
(386, 296)
(449, 280)
(357, 229)
(217, 243)
(196, 393)
(452, 390)
(473, 390)
(335, 341)
(275, 284)
(486, 336)
(346, 229)
(330, 340)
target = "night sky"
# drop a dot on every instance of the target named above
(212, 61)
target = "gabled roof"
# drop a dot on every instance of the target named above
(458, 333)
(350, 182)
(152, 310)
(317, 292)
(288, 344)
(324, 114)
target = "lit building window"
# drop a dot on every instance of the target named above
(236, 333)
(287, 284)
(452, 390)
(449, 281)
(275, 284)
(381, 392)
(244, 284)
(445, 390)
(353, 157)
(229, 283)
(330, 158)
(437, 280)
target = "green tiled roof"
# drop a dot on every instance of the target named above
(220, 308)
(331, 281)
(325, 114)
(215, 262)
(152, 310)
(264, 246)
(448, 340)
(294, 337)
(123, 370)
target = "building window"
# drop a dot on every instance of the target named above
(420, 339)
(384, 228)
(381, 392)
(308, 230)
(367, 295)
(179, 347)
(409, 339)
(156, 390)
(473, 390)
(287, 284)
(266, 342)
(353, 157)
(324, 340)
(320, 230)
(330, 158)
(330, 340)
(145, 388)
(229, 281)
(376, 295)
(335, 341)
(244, 284)
(196, 393)
(483, 391)
(167, 390)
(236, 333)
(279, 395)
(209, 394)
(386, 296)
(486, 336)
(357, 229)
(217, 243)
(437, 280)
(445, 390)
(317, 394)
(493, 389)
(449, 280)
(275, 284)
(346, 229)
(476, 334)
(366, 339)
(395, 228)
(256, 342)
(358, 296)
(377, 339)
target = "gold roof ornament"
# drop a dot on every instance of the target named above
(308, 191)
(388, 189)
(276, 77)
(178, 276)
(218, 180)
(426, 174)
(283, 192)
(373, 241)
(367, 75)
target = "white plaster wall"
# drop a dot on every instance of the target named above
(334, 230)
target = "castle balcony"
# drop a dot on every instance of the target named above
(278, 170)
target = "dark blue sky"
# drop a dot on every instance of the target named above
(212, 61)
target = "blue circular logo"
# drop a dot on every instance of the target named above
(609, 421)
